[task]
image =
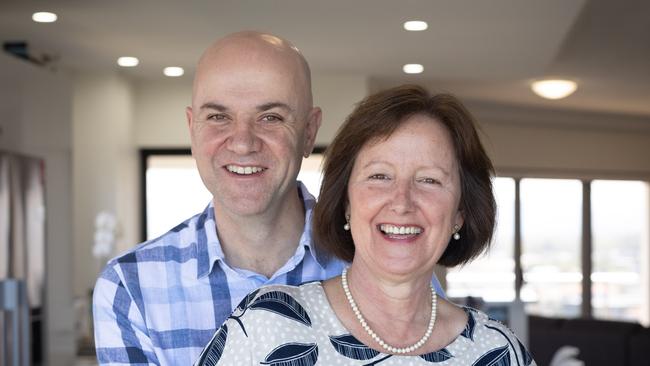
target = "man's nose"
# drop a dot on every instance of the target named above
(243, 139)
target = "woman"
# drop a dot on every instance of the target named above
(406, 185)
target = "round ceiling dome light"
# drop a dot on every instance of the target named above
(415, 25)
(128, 61)
(413, 68)
(44, 17)
(554, 88)
(173, 71)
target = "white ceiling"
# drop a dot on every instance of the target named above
(483, 50)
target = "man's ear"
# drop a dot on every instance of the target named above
(189, 116)
(311, 129)
(190, 122)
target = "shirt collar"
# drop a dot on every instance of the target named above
(209, 249)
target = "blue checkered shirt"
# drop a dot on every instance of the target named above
(160, 303)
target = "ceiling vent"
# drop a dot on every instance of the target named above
(21, 50)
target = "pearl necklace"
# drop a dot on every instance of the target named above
(373, 335)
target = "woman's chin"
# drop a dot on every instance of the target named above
(403, 268)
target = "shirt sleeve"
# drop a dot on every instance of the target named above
(121, 336)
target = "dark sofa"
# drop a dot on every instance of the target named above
(600, 342)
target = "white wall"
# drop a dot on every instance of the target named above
(105, 170)
(337, 95)
(565, 143)
(35, 115)
(160, 112)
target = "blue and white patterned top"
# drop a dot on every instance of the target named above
(161, 302)
(295, 326)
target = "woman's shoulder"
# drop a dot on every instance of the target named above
(480, 326)
(481, 318)
(477, 318)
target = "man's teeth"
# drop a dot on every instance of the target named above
(244, 170)
(400, 230)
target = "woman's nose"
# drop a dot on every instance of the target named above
(402, 200)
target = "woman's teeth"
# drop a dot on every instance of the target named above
(400, 230)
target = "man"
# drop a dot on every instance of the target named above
(251, 122)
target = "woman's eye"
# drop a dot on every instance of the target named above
(379, 176)
(429, 181)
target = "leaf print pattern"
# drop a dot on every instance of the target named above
(528, 358)
(293, 354)
(437, 356)
(468, 332)
(376, 362)
(496, 357)
(350, 347)
(212, 353)
(241, 308)
(283, 304)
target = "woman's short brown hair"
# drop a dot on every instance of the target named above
(376, 118)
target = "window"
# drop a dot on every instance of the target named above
(311, 173)
(620, 239)
(552, 239)
(551, 236)
(174, 192)
(491, 276)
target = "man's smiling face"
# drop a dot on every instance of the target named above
(251, 122)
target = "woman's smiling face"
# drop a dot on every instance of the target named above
(404, 193)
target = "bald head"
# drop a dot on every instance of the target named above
(260, 52)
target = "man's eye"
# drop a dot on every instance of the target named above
(217, 117)
(271, 118)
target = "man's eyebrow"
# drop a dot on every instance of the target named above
(261, 108)
(215, 106)
(271, 105)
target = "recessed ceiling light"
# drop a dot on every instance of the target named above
(128, 61)
(44, 17)
(554, 89)
(173, 71)
(415, 25)
(413, 68)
